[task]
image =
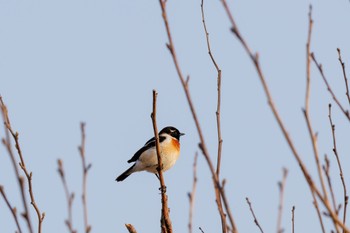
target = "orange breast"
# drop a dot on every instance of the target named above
(176, 144)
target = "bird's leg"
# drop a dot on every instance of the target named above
(157, 176)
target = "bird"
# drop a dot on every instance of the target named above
(146, 157)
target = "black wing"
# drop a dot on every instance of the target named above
(149, 144)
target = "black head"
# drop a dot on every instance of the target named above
(172, 131)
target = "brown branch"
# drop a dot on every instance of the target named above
(308, 61)
(326, 169)
(166, 225)
(255, 219)
(293, 210)
(319, 67)
(202, 144)
(69, 196)
(13, 210)
(86, 168)
(130, 228)
(346, 197)
(29, 175)
(218, 122)
(344, 74)
(192, 194)
(256, 62)
(20, 179)
(281, 186)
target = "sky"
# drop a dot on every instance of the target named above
(66, 62)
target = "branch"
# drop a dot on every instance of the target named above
(130, 228)
(293, 210)
(255, 219)
(192, 194)
(202, 144)
(281, 186)
(20, 179)
(165, 219)
(346, 197)
(329, 89)
(29, 175)
(344, 74)
(13, 210)
(69, 196)
(255, 59)
(218, 122)
(86, 168)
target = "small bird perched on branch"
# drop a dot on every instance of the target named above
(146, 157)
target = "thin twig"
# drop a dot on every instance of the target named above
(192, 194)
(344, 74)
(29, 175)
(293, 221)
(319, 66)
(326, 169)
(308, 61)
(202, 144)
(13, 210)
(281, 186)
(20, 179)
(201, 229)
(166, 225)
(346, 197)
(86, 168)
(130, 228)
(218, 122)
(255, 219)
(69, 196)
(255, 59)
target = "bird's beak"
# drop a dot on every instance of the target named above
(181, 134)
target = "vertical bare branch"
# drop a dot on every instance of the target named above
(346, 197)
(281, 186)
(202, 144)
(13, 210)
(86, 168)
(308, 62)
(20, 179)
(192, 194)
(344, 74)
(29, 175)
(166, 225)
(218, 123)
(293, 210)
(320, 69)
(255, 219)
(130, 228)
(69, 197)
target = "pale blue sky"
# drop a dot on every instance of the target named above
(62, 62)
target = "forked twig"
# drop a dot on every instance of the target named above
(29, 175)
(192, 194)
(166, 225)
(281, 186)
(346, 197)
(13, 210)
(319, 67)
(86, 168)
(20, 179)
(218, 122)
(344, 75)
(255, 219)
(69, 197)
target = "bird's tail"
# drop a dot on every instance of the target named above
(125, 174)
